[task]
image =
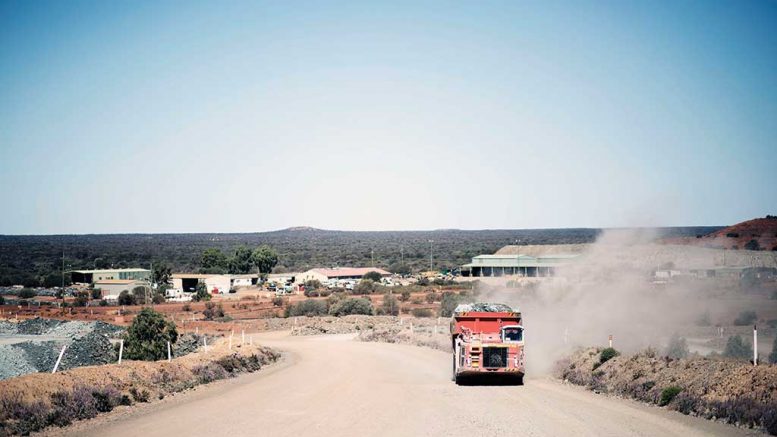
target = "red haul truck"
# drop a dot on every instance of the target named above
(487, 339)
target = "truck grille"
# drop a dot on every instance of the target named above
(494, 357)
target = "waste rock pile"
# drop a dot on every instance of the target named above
(40, 342)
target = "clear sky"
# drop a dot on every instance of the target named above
(132, 116)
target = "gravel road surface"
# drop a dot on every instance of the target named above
(333, 386)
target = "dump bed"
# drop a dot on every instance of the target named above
(483, 318)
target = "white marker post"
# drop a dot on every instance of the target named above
(121, 349)
(755, 345)
(59, 359)
(230, 342)
(197, 330)
(205, 343)
(243, 339)
(610, 340)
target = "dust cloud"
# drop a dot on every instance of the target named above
(607, 291)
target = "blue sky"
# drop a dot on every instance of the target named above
(252, 116)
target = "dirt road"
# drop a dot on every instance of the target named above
(335, 386)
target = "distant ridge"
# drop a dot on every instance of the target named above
(755, 234)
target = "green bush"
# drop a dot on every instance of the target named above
(201, 293)
(27, 293)
(147, 337)
(213, 311)
(372, 276)
(365, 286)
(125, 298)
(607, 354)
(738, 348)
(351, 306)
(668, 394)
(404, 296)
(309, 307)
(677, 348)
(277, 301)
(746, 318)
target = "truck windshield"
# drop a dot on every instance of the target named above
(512, 334)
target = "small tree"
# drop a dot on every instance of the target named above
(313, 284)
(27, 293)
(265, 258)
(677, 348)
(213, 261)
(97, 293)
(351, 306)
(147, 337)
(242, 261)
(449, 303)
(162, 273)
(201, 293)
(141, 295)
(390, 305)
(213, 311)
(372, 276)
(738, 348)
(125, 298)
(404, 296)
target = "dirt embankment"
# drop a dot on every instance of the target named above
(32, 402)
(731, 391)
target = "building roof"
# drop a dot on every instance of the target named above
(344, 272)
(116, 281)
(192, 275)
(110, 271)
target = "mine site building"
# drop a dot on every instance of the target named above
(516, 265)
(339, 273)
(90, 276)
(215, 283)
(114, 287)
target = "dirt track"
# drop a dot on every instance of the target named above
(334, 386)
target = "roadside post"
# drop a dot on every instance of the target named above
(755, 345)
(121, 349)
(610, 340)
(169, 355)
(59, 359)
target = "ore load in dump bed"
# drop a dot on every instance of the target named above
(33, 345)
(488, 346)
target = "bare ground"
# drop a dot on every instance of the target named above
(331, 385)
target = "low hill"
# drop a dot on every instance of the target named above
(756, 234)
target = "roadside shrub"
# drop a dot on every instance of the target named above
(738, 348)
(668, 394)
(103, 303)
(421, 312)
(277, 301)
(309, 307)
(746, 318)
(186, 307)
(139, 395)
(351, 306)
(147, 337)
(209, 372)
(677, 348)
(106, 398)
(97, 293)
(313, 284)
(431, 297)
(404, 296)
(607, 354)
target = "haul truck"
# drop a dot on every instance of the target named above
(487, 341)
